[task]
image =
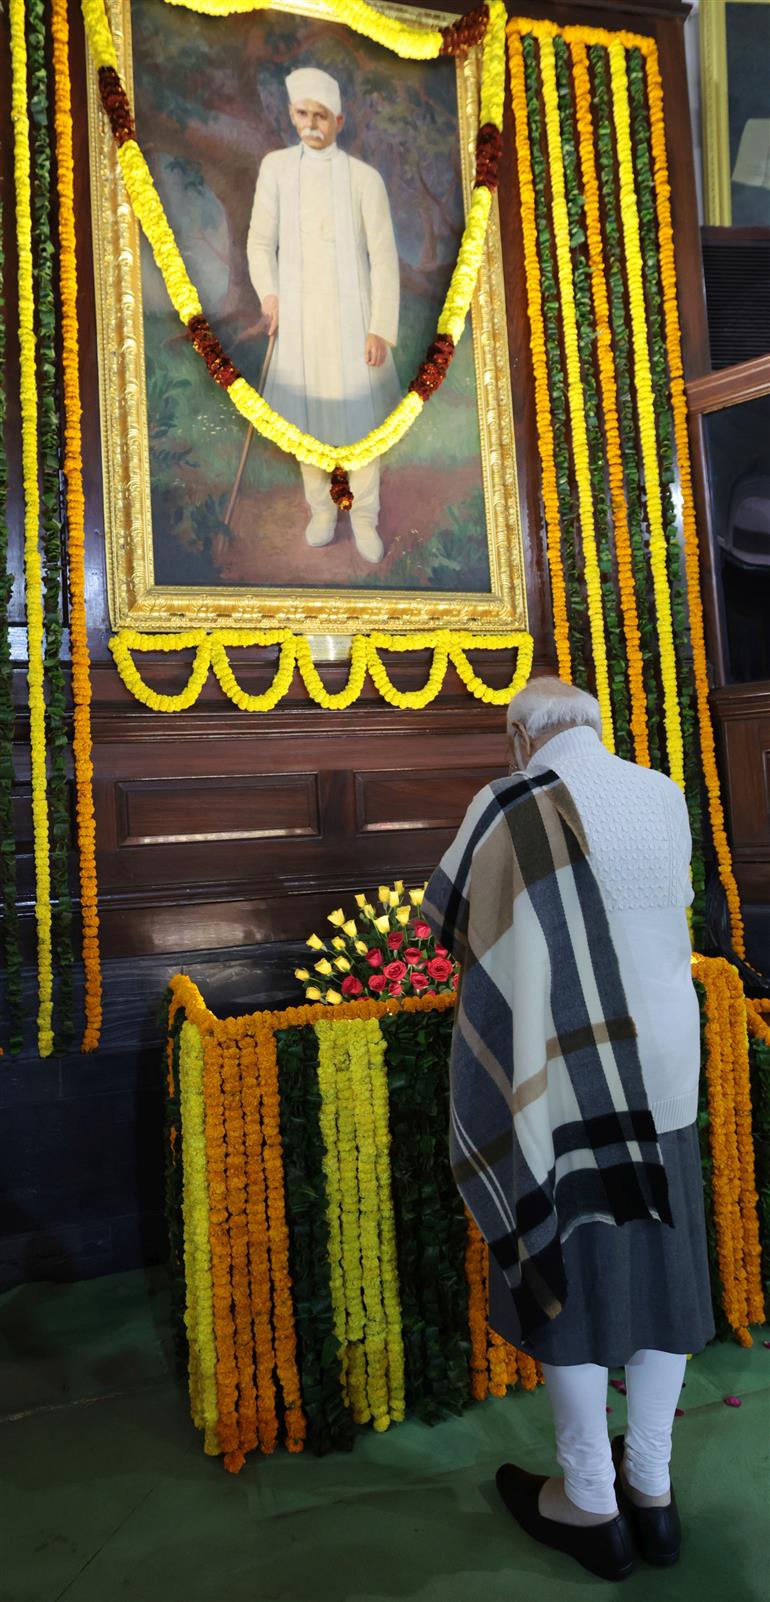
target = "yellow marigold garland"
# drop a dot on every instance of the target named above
(199, 1312)
(32, 566)
(404, 39)
(575, 388)
(377, 1388)
(543, 412)
(448, 645)
(388, 1253)
(606, 366)
(629, 212)
(73, 475)
(692, 559)
(422, 44)
(327, 1118)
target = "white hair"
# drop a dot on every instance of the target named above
(548, 703)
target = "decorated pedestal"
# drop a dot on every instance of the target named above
(325, 1274)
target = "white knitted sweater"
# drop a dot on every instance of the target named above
(639, 843)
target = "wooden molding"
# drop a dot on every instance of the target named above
(729, 387)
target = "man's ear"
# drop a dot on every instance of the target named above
(340, 122)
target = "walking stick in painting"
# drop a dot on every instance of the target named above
(250, 431)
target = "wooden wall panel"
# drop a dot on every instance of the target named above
(743, 711)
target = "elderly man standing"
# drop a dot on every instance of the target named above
(574, 1085)
(323, 260)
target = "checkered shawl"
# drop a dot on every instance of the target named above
(550, 1123)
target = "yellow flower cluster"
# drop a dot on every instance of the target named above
(417, 43)
(732, 1149)
(73, 476)
(362, 1242)
(606, 366)
(543, 413)
(32, 566)
(211, 651)
(199, 1311)
(629, 212)
(561, 230)
(404, 39)
(692, 558)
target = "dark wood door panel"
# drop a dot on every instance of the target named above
(430, 798)
(216, 810)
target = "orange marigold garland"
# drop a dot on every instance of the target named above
(283, 1307)
(259, 1255)
(219, 1237)
(539, 361)
(235, 1174)
(692, 558)
(73, 475)
(476, 1274)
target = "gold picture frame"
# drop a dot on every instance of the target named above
(719, 152)
(136, 600)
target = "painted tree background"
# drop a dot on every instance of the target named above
(210, 103)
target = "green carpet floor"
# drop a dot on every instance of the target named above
(106, 1495)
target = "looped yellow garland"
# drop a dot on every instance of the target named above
(211, 652)
(413, 43)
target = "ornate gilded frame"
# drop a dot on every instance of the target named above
(714, 111)
(136, 601)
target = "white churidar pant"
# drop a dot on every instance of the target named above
(578, 1397)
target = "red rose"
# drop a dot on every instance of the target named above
(439, 969)
(422, 931)
(395, 940)
(455, 978)
(396, 990)
(374, 958)
(414, 956)
(377, 983)
(420, 981)
(394, 970)
(351, 986)
(441, 951)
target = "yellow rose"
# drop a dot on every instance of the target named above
(383, 895)
(415, 896)
(338, 943)
(324, 966)
(337, 918)
(334, 997)
(403, 914)
(382, 924)
(301, 973)
(361, 948)
(350, 928)
(369, 909)
(343, 964)
(399, 886)
(313, 993)
(360, 899)
(314, 941)
(394, 898)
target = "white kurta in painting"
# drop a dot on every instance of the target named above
(321, 239)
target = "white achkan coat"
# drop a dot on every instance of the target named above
(321, 239)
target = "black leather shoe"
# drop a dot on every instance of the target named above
(657, 1530)
(604, 1549)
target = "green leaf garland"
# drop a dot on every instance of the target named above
(568, 509)
(330, 1424)
(616, 650)
(50, 460)
(431, 1227)
(10, 917)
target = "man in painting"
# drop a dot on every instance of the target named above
(323, 261)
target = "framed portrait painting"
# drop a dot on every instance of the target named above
(735, 95)
(317, 186)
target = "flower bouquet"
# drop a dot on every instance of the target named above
(384, 951)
